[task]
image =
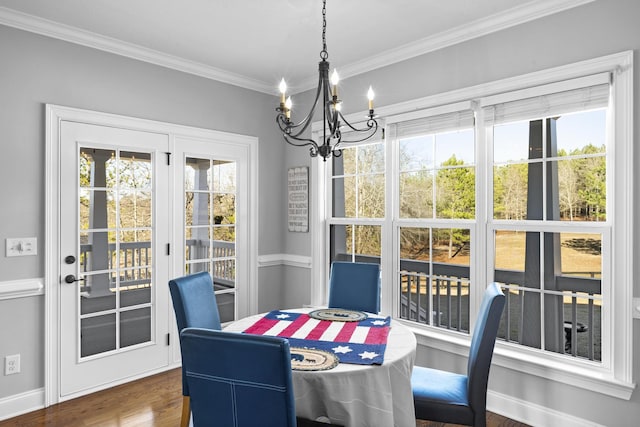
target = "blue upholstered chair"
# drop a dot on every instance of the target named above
(238, 380)
(355, 286)
(462, 399)
(194, 303)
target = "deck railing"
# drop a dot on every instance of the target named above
(135, 261)
(441, 298)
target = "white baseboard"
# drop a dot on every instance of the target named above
(22, 403)
(532, 414)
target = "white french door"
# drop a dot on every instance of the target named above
(212, 219)
(114, 267)
(132, 203)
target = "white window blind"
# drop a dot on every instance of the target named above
(435, 124)
(594, 95)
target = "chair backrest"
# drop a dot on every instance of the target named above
(482, 344)
(194, 303)
(355, 286)
(238, 379)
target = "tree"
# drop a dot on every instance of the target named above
(455, 189)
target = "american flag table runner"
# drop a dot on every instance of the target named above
(362, 342)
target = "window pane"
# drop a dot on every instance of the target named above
(416, 194)
(581, 255)
(344, 197)
(455, 146)
(510, 191)
(371, 196)
(135, 208)
(197, 208)
(455, 192)
(135, 326)
(511, 142)
(346, 163)
(356, 243)
(224, 176)
(435, 293)
(210, 220)
(196, 174)
(582, 132)
(417, 153)
(358, 182)
(370, 158)
(564, 269)
(135, 170)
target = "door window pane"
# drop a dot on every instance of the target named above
(210, 226)
(116, 222)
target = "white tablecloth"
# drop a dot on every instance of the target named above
(358, 395)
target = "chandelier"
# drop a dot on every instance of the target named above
(333, 120)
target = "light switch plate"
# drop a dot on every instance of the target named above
(22, 246)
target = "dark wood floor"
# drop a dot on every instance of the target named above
(150, 402)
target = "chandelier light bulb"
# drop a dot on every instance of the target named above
(334, 77)
(370, 96)
(283, 90)
(287, 105)
(334, 83)
(338, 106)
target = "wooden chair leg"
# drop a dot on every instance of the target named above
(186, 411)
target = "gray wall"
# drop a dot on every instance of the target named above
(589, 31)
(36, 70)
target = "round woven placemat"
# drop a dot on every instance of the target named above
(338, 315)
(311, 359)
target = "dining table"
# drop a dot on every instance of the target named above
(354, 395)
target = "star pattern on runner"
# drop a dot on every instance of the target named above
(283, 316)
(342, 349)
(368, 355)
(378, 322)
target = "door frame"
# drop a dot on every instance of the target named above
(54, 115)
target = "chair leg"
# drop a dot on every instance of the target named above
(186, 411)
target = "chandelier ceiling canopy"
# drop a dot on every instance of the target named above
(332, 118)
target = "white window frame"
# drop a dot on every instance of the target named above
(613, 376)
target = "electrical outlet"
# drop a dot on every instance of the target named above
(22, 246)
(12, 364)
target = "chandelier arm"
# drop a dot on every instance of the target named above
(299, 142)
(304, 123)
(369, 131)
(371, 123)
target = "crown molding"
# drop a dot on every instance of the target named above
(45, 27)
(500, 21)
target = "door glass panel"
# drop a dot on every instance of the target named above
(115, 232)
(210, 226)
(96, 294)
(97, 335)
(135, 327)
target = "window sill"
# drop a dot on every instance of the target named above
(581, 374)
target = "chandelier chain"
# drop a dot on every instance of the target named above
(323, 53)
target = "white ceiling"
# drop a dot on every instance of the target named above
(253, 43)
